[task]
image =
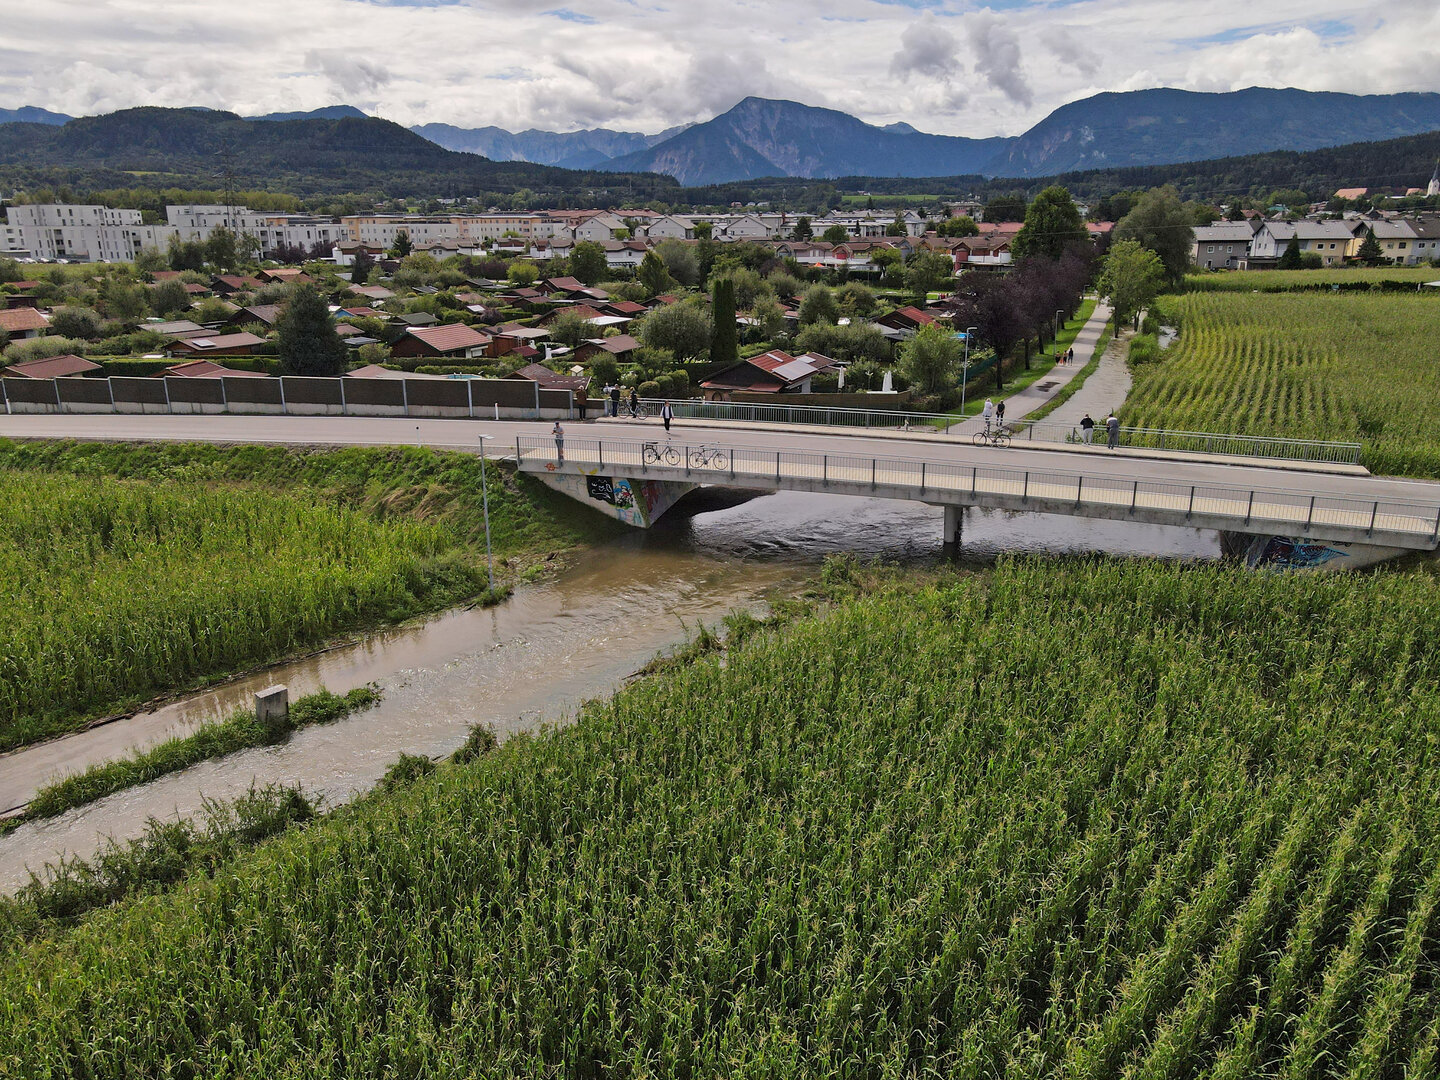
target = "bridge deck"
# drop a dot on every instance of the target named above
(1365, 510)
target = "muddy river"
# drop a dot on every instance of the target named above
(533, 659)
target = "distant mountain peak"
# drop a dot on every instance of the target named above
(329, 112)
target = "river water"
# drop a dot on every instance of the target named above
(533, 659)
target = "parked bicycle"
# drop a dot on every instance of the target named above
(638, 412)
(993, 435)
(652, 453)
(702, 457)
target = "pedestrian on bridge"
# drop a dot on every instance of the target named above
(1087, 429)
(634, 403)
(1112, 431)
(1000, 412)
(667, 414)
(988, 413)
(615, 401)
(559, 434)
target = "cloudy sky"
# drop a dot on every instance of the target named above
(951, 66)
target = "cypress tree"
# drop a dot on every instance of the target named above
(306, 338)
(724, 342)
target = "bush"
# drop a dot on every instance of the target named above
(17, 352)
(649, 389)
(1144, 349)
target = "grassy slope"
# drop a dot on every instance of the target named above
(152, 568)
(1346, 366)
(1054, 820)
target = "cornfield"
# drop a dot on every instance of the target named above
(1287, 280)
(115, 590)
(1350, 367)
(1085, 820)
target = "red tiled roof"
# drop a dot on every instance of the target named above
(18, 320)
(771, 360)
(449, 337)
(51, 367)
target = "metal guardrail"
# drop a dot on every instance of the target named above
(1196, 442)
(815, 415)
(1399, 523)
(1189, 442)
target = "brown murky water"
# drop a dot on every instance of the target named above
(533, 659)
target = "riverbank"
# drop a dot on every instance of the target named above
(1038, 820)
(153, 569)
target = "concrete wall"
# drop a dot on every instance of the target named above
(505, 399)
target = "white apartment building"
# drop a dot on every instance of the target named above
(273, 231)
(52, 231)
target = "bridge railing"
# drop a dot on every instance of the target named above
(1242, 508)
(1196, 442)
(1046, 431)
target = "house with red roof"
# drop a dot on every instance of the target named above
(242, 344)
(207, 369)
(907, 319)
(451, 339)
(66, 366)
(23, 322)
(774, 372)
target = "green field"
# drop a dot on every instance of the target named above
(1281, 280)
(1346, 366)
(136, 571)
(1054, 820)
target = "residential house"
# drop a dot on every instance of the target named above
(375, 371)
(774, 372)
(180, 328)
(603, 226)
(670, 227)
(452, 339)
(1397, 239)
(264, 314)
(415, 319)
(1427, 237)
(230, 284)
(1222, 246)
(906, 320)
(239, 344)
(1328, 239)
(621, 347)
(23, 322)
(66, 366)
(748, 227)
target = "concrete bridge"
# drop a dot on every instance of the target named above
(1267, 511)
(1291, 515)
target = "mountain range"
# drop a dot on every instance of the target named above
(760, 137)
(344, 149)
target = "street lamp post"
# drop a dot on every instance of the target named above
(965, 367)
(1058, 313)
(485, 499)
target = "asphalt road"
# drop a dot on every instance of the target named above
(465, 435)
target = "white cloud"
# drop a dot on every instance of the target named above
(960, 68)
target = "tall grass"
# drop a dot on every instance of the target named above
(1352, 366)
(239, 732)
(136, 570)
(1089, 819)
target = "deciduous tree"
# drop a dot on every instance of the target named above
(587, 262)
(683, 328)
(1132, 277)
(1052, 223)
(1161, 223)
(930, 360)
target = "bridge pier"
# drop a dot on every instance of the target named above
(954, 526)
(634, 500)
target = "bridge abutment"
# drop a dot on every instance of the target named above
(633, 500)
(1268, 551)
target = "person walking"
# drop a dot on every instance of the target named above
(559, 434)
(1000, 412)
(667, 414)
(1112, 431)
(634, 403)
(1070, 355)
(615, 401)
(1087, 429)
